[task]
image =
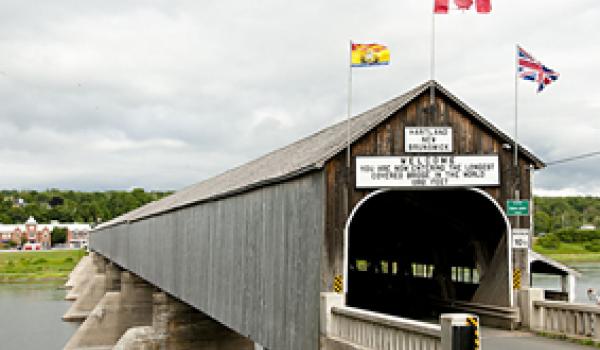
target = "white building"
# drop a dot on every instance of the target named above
(33, 232)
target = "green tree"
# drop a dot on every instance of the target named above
(549, 241)
(59, 235)
(543, 222)
(72, 206)
(55, 201)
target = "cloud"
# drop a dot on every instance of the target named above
(163, 94)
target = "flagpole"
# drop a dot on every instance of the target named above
(517, 175)
(520, 257)
(516, 160)
(432, 59)
(349, 108)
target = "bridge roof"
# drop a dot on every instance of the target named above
(307, 154)
(546, 265)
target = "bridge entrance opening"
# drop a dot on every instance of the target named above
(417, 253)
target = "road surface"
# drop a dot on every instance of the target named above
(493, 339)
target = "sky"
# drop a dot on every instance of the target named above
(162, 94)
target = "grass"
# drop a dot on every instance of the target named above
(39, 265)
(568, 253)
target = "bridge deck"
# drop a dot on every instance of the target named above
(494, 339)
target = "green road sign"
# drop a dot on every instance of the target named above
(517, 208)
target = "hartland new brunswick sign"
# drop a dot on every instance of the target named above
(428, 139)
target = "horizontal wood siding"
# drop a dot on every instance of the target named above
(251, 261)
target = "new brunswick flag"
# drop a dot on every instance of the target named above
(365, 55)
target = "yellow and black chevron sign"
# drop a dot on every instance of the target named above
(474, 322)
(338, 284)
(517, 279)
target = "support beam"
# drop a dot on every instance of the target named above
(571, 281)
(113, 277)
(99, 263)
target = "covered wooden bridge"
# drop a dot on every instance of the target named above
(415, 226)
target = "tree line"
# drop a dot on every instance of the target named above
(560, 220)
(71, 206)
(553, 214)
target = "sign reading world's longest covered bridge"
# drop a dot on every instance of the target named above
(255, 246)
(435, 170)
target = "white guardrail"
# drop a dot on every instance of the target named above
(377, 331)
(573, 320)
(344, 327)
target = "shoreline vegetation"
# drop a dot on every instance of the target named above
(38, 266)
(570, 245)
(568, 228)
(568, 253)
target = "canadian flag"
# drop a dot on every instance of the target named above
(483, 6)
(463, 4)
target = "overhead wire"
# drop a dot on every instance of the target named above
(569, 159)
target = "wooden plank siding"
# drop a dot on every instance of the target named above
(251, 261)
(254, 246)
(469, 137)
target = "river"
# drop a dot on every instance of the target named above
(590, 279)
(30, 316)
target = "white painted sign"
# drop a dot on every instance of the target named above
(427, 171)
(422, 139)
(520, 241)
(520, 231)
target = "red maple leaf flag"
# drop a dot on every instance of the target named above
(484, 6)
(441, 6)
(463, 4)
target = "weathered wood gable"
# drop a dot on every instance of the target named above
(470, 136)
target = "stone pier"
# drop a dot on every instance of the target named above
(91, 294)
(116, 312)
(79, 277)
(178, 326)
(120, 310)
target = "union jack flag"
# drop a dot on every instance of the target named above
(534, 70)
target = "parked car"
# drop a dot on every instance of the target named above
(32, 246)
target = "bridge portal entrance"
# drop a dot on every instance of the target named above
(414, 253)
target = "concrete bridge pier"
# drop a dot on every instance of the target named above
(80, 277)
(92, 293)
(178, 326)
(116, 312)
(122, 311)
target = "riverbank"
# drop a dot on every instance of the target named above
(36, 266)
(568, 253)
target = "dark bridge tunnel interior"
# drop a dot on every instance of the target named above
(411, 252)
